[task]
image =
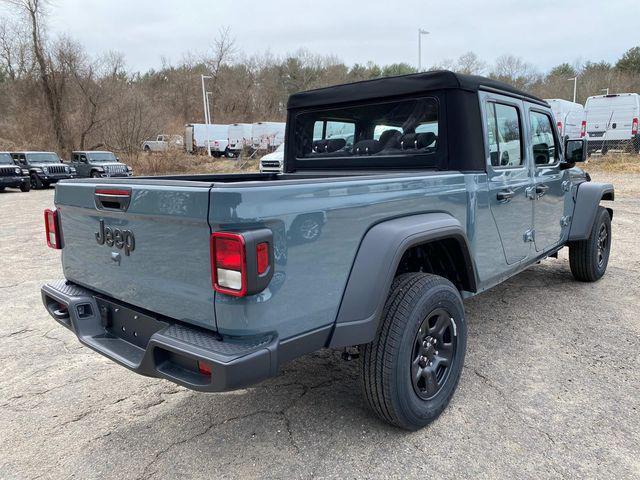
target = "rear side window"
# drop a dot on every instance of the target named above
(390, 129)
(545, 150)
(504, 135)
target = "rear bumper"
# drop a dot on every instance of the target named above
(160, 347)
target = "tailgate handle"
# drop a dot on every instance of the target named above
(112, 199)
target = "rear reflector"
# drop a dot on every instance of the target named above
(262, 257)
(114, 192)
(52, 229)
(228, 263)
(204, 368)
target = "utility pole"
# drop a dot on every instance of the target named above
(205, 104)
(420, 33)
(575, 86)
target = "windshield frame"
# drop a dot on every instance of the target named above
(5, 155)
(42, 157)
(92, 157)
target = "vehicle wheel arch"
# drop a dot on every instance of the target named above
(378, 261)
(587, 199)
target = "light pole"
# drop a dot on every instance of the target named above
(420, 33)
(208, 94)
(205, 104)
(575, 86)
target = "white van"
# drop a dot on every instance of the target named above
(197, 134)
(612, 122)
(267, 135)
(571, 118)
(239, 137)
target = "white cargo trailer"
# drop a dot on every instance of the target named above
(267, 135)
(570, 118)
(612, 122)
(239, 137)
(198, 137)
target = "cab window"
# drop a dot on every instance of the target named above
(504, 135)
(543, 143)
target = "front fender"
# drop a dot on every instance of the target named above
(374, 268)
(588, 197)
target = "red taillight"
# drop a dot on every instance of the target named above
(228, 263)
(204, 368)
(583, 128)
(51, 228)
(634, 126)
(262, 257)
(560, 128)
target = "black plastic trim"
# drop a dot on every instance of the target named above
(588, 197)
(375, 265)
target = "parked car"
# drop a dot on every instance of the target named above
(99, 164)
(571, 118)
(612, 122)
(267, 135)
(45, 168)
(403, 228)
(11, 175)
(199, 136)
(162, 143)
(272, 162)
(239, 137)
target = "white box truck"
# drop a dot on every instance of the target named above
(239, 137)
(571, 118)
(267, 135)
(612, 122)
(197, 134)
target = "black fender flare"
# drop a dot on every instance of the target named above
(587, 199)
(374, 268)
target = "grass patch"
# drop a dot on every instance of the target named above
(613, 163)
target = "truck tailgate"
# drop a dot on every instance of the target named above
(150, 250)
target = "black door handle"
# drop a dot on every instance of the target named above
(505, 196)
(541, 190)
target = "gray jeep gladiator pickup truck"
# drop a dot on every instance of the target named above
(45, 168)
(97, 164)
(453, 184)
(12, 175)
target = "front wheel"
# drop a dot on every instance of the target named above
(95, 174)
(411, 370)
(588, 259)
(25, 187)
(35, 182)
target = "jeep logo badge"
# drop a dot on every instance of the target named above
(114, 237)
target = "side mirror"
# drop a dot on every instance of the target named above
(575, 151)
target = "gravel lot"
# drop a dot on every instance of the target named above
(551, 387)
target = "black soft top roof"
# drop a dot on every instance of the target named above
(401, 85)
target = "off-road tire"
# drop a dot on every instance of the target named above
(25, 187)
(387, 381)
(588, 258)
(95, 174)
(35, 181)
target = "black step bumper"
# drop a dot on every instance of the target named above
(159, 347)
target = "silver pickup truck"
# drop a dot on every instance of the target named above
(451, 185)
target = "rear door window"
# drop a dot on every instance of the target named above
(504, 135)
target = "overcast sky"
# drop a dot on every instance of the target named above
(543, 32)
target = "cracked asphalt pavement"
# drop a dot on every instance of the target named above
(550, 389)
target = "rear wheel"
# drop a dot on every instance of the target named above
(588, 259)
(412, 368)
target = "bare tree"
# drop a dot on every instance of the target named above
(33, 12)
(224, 48)
(470, 64)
